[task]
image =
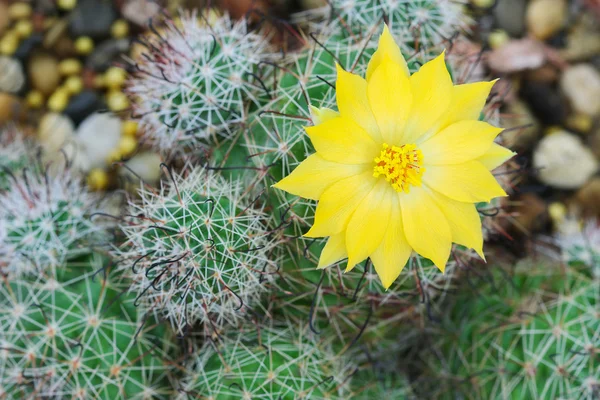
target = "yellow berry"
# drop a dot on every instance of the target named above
(23, 28)
(66, 4)
(69, 66)
(129, 128)
(84, 45)
(9, 44)
(19, 10)
(58, 100)
(127, 145)
(97, 179)
(498, 38)
(35, 99)
(119, 29)
(73, 84)
(115, 77)
(117, 101)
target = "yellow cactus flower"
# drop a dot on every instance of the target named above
(400, 166)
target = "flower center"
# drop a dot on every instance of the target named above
(401, 166)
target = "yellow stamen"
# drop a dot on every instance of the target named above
(401, 166)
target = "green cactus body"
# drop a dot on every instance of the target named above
(275, 362)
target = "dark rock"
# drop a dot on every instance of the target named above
(545, 102)
(27, 46)
(83, 105)
(510, 16)
(106, 53)
(92, 18)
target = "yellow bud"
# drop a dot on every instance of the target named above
(70, 66)
(9, 44)
(557, 211)
(58, 100)
(23, 28)
(127, 145)
(498, 38)
(119, 29)
(35, 99)
(115, 77)
(129, 128)
(97, 179)
(20, 10)
(117, 101)
(66, 4)
(73, 85)
(84, 45)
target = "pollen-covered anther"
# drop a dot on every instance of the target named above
(402, 166)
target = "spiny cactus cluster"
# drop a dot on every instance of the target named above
(15, 153)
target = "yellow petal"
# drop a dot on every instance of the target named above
(431, 89)
(387, 48)
(425, 226)
(467, 102)
(369, 223)
(315, 174)
(338, 202)
(320, 115)
(496, 156)
(393, 252)
(464, 221)
(458, 143)
(342, 140)
(390, 98)
(334, 250)
(469, 182)
(351, 96)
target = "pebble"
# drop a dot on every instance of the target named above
(23, 28)
(583, 40)
(84, 45)
(517, 55)
(510, 16)
(12, 77)
(58, 100)
(4, 19)
(73, 85)
(129, 128)
(498, 38)
(27, 46)
(20, 10)
(83, 105)
(127, 145)
(35, 99)
(140, 11)
(9, 44)
(106, 53)
(92, 18)
(97, 179)
(115, 77)
(10, 107)
(146, 165)
(581, 85)
(545, 102)
(546, 17)
(117, 101)
(54, 131)
(98, 135)
(587, 199)
(66, 5)
(518, 115)
(70, 66)
(43, 73)
(56, 31)
(564, 162)
(119, 29)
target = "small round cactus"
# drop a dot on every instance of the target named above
(45, 220)
(72, 341)
(271, 363)
(195, 79)
(197, 251)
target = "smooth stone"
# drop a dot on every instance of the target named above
(4, 19)
(545, 102)
(510, 16)
(10, 107)
(12, 77)
(517, 55)
(106, 53)
(92, 18)
(27, 46)
(546, 17)
(587, 199)
(83, 105)
(43, 73)
(145, 165)
(564, 162)
(56, 31)
(140, 11)
(98, 136)
(581, 85)
(54, 131)
(583, 40)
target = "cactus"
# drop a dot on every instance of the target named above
(14, 155)
(535, 336)
(196, 78)
(72, 341)
(46, 220)
(273, 362)
(581, 245)
(197, 251)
